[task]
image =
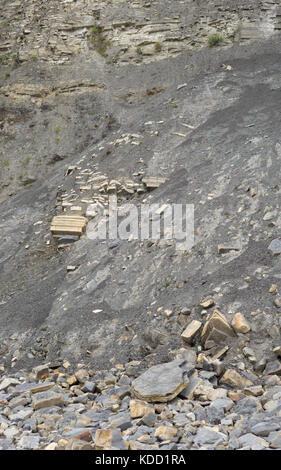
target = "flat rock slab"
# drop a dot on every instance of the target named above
(275, 247)
(250, 440)
(29, 442)
(32, 387)
(8, 382)
(46, 399)
(207, 436)
(235, 380)
(161, 383)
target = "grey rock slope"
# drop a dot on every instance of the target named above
(205, 119)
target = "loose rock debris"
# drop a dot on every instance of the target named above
(91, 194)
(178, 405)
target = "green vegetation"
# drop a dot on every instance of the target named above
(158, 47)
(38, 162)
(214, 39)
(138, 50)
(4, 58)
(57, 129)
(6, 163)
(98, 41)
(26, 160)
(167, 283)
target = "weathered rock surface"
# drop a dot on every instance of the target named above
(102, 99)
(161, 383)
(67, 417)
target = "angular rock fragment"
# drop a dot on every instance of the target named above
(166, 433)
(77, 444)
(188, 355)
(81, 375)
(255, 390)
(46, 399)
(240, 324)
(226, 248)
(207, 436)
(41, 372)
(275, 247)
(109, 439)
(235, 380)
(71, 380)
(250, 440)
(189, 390)
(191, 331)
(275, 441)
(216, 330)
(273, 368)
(138, 409)
(68, 225)
(260, 365)
(161, 383)
(32, 387)
(220, 353)
(153, 182)
(7, 382)
(207, 303)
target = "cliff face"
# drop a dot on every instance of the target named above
(56, 32)
(102, 91)
(54, 57)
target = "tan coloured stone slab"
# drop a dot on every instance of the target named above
(138, 409)
(153, 182)
(47, 399)
(216, 329)
(191, 331)
(235, 380)
(68, 225)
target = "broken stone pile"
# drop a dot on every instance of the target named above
(87, 196)
(198, 400)
(188, 403)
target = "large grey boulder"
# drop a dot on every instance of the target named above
(163, 382)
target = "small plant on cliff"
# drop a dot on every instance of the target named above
(138, 50)
(158, 47)
(214, 39)
(98, 41)
(4, 58)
